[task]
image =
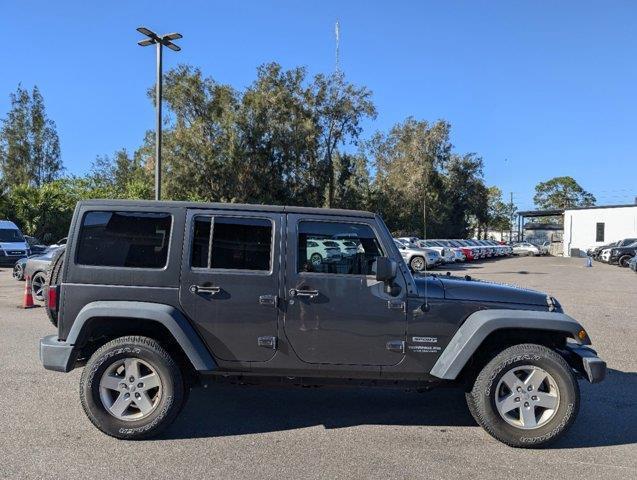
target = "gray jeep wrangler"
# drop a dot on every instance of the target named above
(153, 297)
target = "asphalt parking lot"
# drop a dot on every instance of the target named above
(249, 432)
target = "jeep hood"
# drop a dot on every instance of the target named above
(457, 288)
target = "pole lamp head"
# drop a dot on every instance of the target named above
(153, 38)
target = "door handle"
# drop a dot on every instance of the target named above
(304, 293)
(201, 289)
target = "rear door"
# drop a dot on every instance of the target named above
(230, 281)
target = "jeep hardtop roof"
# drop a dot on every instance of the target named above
(226, 206)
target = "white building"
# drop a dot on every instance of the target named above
(590, 227)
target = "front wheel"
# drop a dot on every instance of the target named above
(527, 396)
(18, 272)
(624, 260)
(131, 388)
(37, 286)
(417, 264)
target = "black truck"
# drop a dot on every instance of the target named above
(153, 298)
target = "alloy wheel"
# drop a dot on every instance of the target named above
(418, 263)
(18, 272)
(527, 397)
(130, 389)
(37, 285)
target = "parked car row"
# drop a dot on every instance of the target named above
(36, 265)
(621, 253)
(430, 253)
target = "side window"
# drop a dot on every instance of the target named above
(124, 239)
(331, 247)
(201, 242)
(237, 243)
(599, 232)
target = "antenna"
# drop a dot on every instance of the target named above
(337, 33)
(425, 307)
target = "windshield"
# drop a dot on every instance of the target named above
(10, 235)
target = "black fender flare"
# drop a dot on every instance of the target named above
(170, 317)
(479, 325)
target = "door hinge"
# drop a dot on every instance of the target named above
(396, 346)
(268, 300)
(267, 342)
(393, 305)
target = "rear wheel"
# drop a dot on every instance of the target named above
(54, 276)
(526, 396)
(131, 388)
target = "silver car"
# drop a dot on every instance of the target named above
(418, 259)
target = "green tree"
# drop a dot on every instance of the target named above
(465, 195)
(122, 176)
(277, 141)
(278, 160)
(29, 144)
(499, 213)
(561, 193)
(409, 163)
(339, 108)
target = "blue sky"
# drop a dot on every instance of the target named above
(538, 89)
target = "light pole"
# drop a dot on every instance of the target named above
(160, 41)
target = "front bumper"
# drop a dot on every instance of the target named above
(57, 355)
(586, 362)
(10, 260)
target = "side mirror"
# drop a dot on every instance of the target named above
(386, 269)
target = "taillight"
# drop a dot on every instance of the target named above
(53, 298)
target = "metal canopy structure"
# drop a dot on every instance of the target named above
(535, 214)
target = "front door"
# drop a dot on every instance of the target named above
(229, 281)
(336, 312)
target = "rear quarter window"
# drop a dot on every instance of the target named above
(124, 239)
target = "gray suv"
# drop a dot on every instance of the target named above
(151, 297)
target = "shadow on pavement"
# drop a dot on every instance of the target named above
(222, 410)
(607, 415)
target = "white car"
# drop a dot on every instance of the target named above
(446, 253)
(13, 246)
(525, 248)
(348, 247)
(319, 251)
(457, 251)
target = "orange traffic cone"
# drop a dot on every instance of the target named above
(27, 301)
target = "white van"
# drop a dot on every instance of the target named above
(13, 246)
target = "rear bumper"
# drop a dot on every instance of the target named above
(586, 362)
(57, 355)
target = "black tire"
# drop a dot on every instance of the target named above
(54, 276)
(169, 402)
(624, 260)
(482, 403)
